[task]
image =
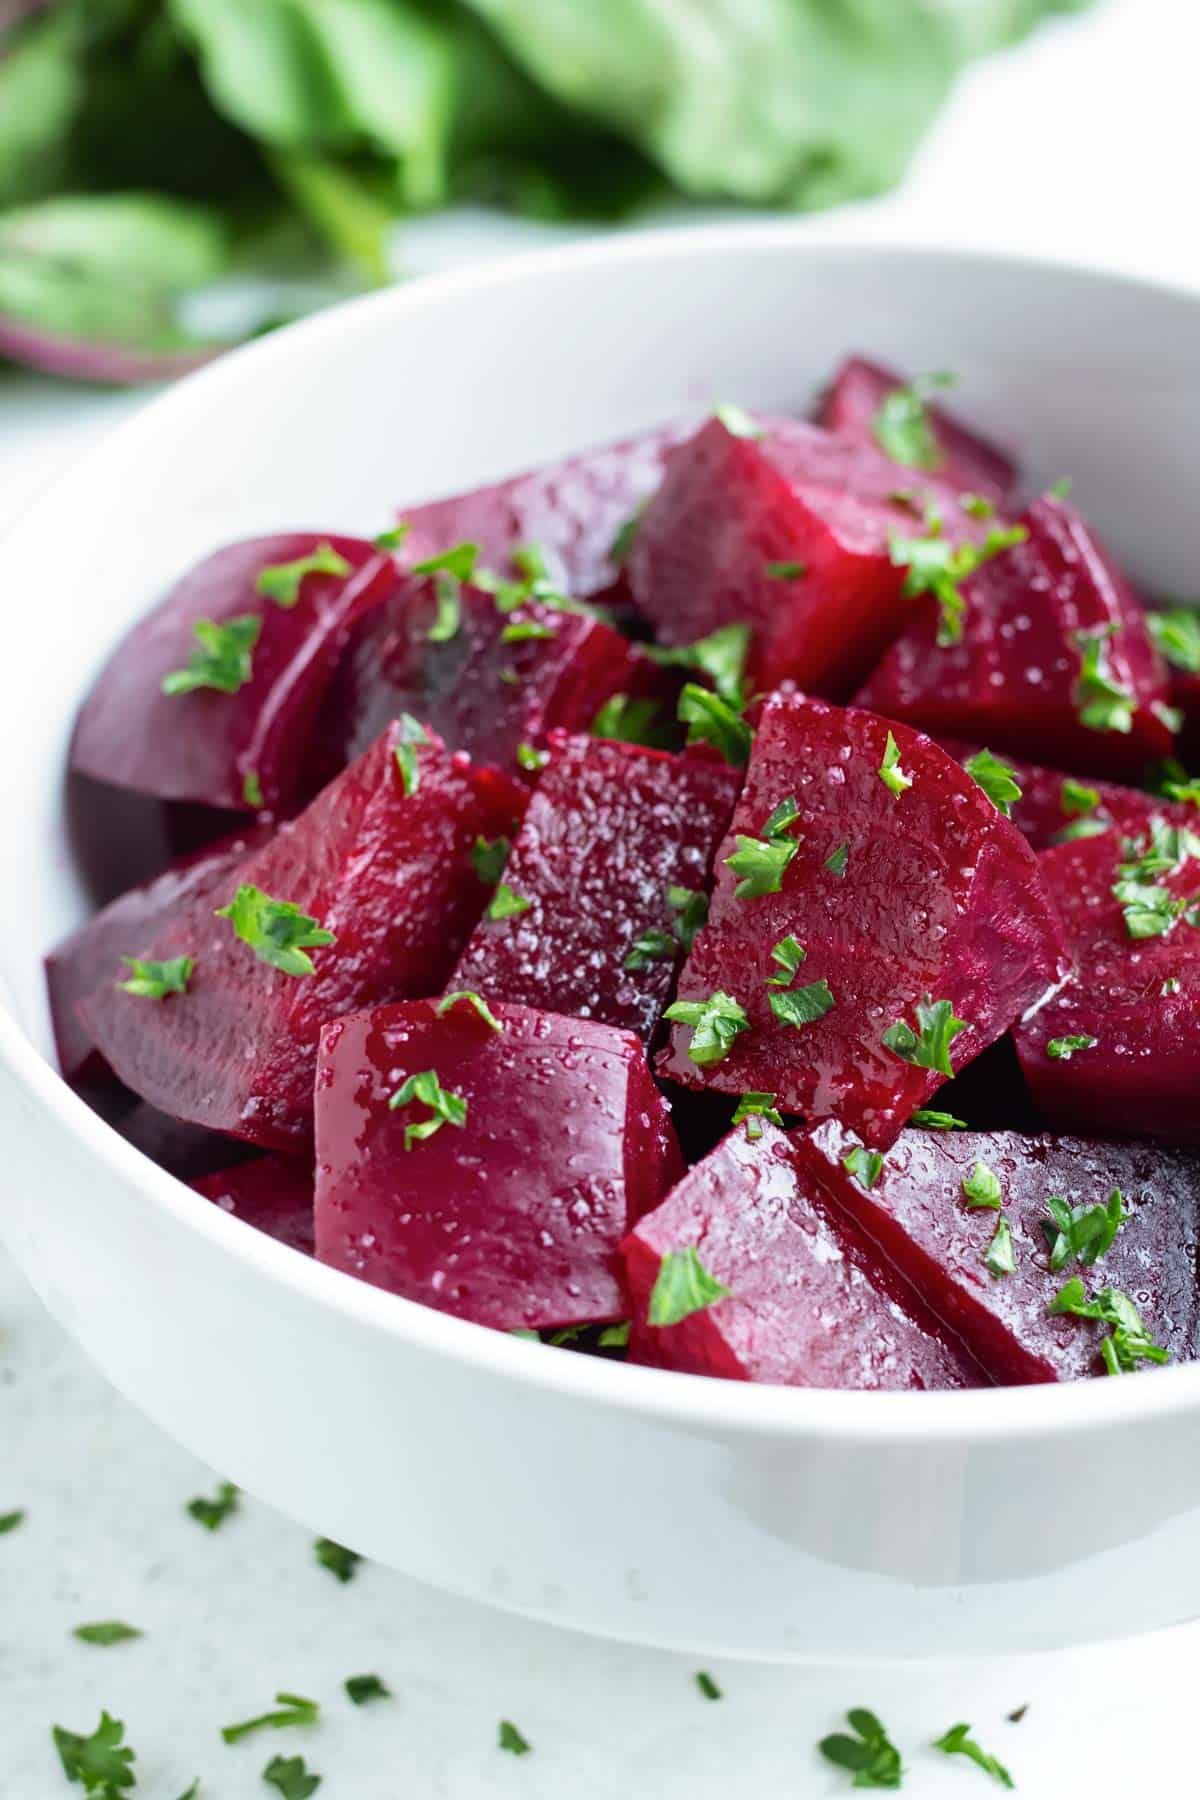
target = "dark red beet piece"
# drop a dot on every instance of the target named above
(939, 896)
(512, 1218)
(272, 1193)
(610, 828)
(183, 1150)
(918, 1216)
(1138, 997)
(389, 873)
(487, 689)
(121, 840)
(811, 1304)
(243, 750)
(733, 509)
(1014, 680)
(91, 957)
(850, 407)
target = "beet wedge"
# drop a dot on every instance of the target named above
(382, 861)
(616, 844)
(487, 1160)
(810, 1303)
(869, 404)
(1121, 1044)
(876, 922)
(790, 533)
(1054, 663)
(991, 1271)
(490, 682)
(272, 1193)
(240, 744)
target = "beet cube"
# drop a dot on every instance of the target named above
(811, 1304)
(1055, 662)
(789, 533)
(854, 406)
(386, 870)
(186, 1151)
(243, 748)
(872, 903)
(611, 829)
(272, 1193)
(510, 1212)
(919, 1215)
(1137, 996)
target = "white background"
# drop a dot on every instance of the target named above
(1081, 144)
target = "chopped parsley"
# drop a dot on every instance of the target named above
(738, 422)
(155, 980)
(1152, 910)
(1103, 703)
(936, 566)
(929, 1046)
(803, 1006)
(1060, 489)
(956, 1742)
(1085, 1233)
(276, 930)
(525, 631)
(929, 1119)
(1079, 799)
(630, 719)
(1177, 636)
(902, 427)
(506, 903)
(614, 1337)
(1062, 1049)
(472, 999)
(997, 779)
(362, 1688)
(1000, 1255)
(212, 1514)
(459, 561)
(1080, 828)
(870, 1756)
(863, 1165)
(280, 582)
(106, 1632)
(530, 759)
(291, 1776)
(692, 906)
(393, 537)
(651, 947)
(715, 1024)
(101, 1762)
(413, 736)
(760, 863)
(753, 1108)
(9, 1521)
(890, 772)
(1170, 986)
(488, 857)
(977, 506)
(1128, 1342)
(512, 1740)
(447, 617)
(252, 792)
(683, 1286)
(445, 1109)
(786, 571)
(290, 1709)
(721, 656)
(713, 720)
(837, 859)
(982, 1186)
(622, 544)
(223, 658)
(787, 956)
(707, 1685)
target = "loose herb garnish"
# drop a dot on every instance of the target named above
(837, 859)
(280, 582)
(737, 421)
(786, 571)
(870, 1756)
(929, 1046)
(511, 1739)
(472, 999)
(459, 561)
(1080, 828)
(1150, 909)
(929, 1119)
(902, 427)
(787, 955)
(803, 1006)
(715, 1023)
(713, 720)
(977, 506)
(155, 980)
(1062, 1049)
(290, 1709)
(761, 862)
(1128, 1342)
(683, 1286)
(753, 1108)
(276, 930)
(865, 1166)
(1170, 986)
(106, 1632)
(392, 538)
(622, 544)
(630, 720)
(1083, 1232)
(1177, 635)
(1079, 799)
(446, 1109)
(447, 617)
(413, 736)
(956, 1742)
(290, 1775)
(1000, 1255)
(488, 857)
(721, 656)
(526, 631)
(212, 1514)
(651, 947)
(614, 1337)
(982, 1186)
(101, 1762)
(692, 906)
(936, 566)
(252, 792)
(223, 658)
(997, 779)
(707, 1685)
(890, 772)
(1103, 703)
(362, 1688)
(506, 903)
(531, 759)
(9, 1521)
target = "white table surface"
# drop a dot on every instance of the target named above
(1081, 144)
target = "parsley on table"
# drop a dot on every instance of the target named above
(291, 1777)
(1128, 1342)
(413, 737)
(929, 1046)
(1177, 635)
(362, 1688)
(276, 930)
(9, 1521)
(863, 1165)
(630, 719)
(1103, 703)
(506, 903)
(803, 1006)
(280, 582)
(692, 906)
(509, 1738)
(870, 1756)
(155, 980)
(997, 779)
(1062, 1049)
(982, 1187)
(488, 857)
(445, 1109)
(223, 658)
(683, 1286)
(935, 566)
(290, 1709)
(1001, 1254)
(752, 1109)
(707, 1685)
(651, 947)
(101, 1762)
(106, 1632)
(715, 1024)
(891, 774)
(710, 719)
(902, 427)
(1083, 1232)
(212, 1514)
(449, 1001)
(928, 1118)
(957, 1742)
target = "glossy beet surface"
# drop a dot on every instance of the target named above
(272, 1193)
(1016, 678)
(851, 408)
(388, 872)
(207, 745)
(720, 542)
(1138, 997)
(811, 1304)
(498, 681)
(610, 829)
(939, 896)
(513, 1217)
(919, 1218)
(1052, 803)
(91, 957)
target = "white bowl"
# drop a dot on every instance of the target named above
(646, 1505)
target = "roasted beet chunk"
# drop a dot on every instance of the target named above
(1054, 660)
(869, 404)
(272, 1193)
(372, 888)
(789, 532)
(614, 852)
(487, 1160)
(489, 681)
(212, 696)
(1120, 1046)
(990, 1227)
(876, 922)
(809, 1302)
